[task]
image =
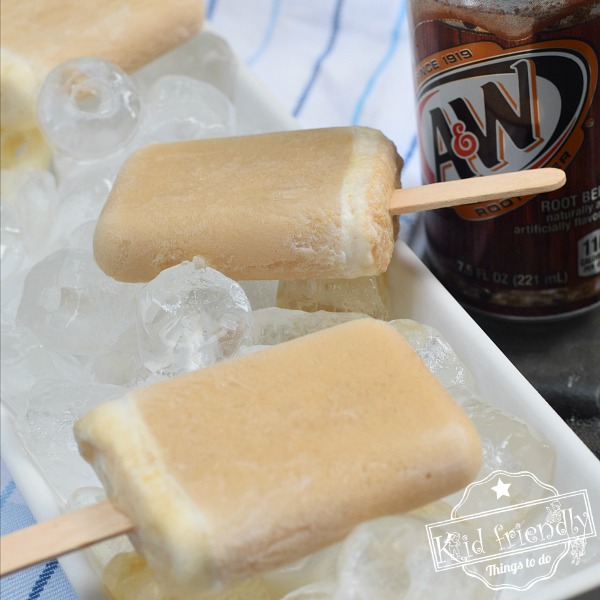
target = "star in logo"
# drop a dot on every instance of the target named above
(501, 489)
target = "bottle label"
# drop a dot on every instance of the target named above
(483, 109)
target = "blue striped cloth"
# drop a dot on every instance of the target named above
(46, 581)
(328, 62)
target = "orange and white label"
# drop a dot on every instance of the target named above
(483, 110)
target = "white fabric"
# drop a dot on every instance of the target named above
(330, 62)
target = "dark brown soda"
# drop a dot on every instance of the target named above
(522, 257)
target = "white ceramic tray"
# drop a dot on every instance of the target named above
(417, 295)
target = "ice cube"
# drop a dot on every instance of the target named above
(72, 306)
(205, 57)
(12, 247)
(262, 294)
(190, 316)
(122, 363)
(35, 205)
(93, 179)
(276, 325)
(182, 108)
(88, 107)
(82, 236)
(372, 560)
(439, 357)
(368, 295)
(25, 361)
(510, 444)
(390, 558)
(47, 430)
(82, 195)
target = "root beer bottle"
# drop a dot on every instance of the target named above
(505, 85)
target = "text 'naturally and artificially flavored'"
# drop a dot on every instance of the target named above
(504, 86)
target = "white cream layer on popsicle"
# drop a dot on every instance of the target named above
(286, 205)
(233, 470)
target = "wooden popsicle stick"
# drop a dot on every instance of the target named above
(476, 189)
(64, 534)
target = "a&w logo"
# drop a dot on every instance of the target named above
(503, 111)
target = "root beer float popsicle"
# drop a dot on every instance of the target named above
(287, 205)
(239, 468)
(38, 36)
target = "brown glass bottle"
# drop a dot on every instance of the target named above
(506, 85)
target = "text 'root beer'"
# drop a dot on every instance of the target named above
(506, 86)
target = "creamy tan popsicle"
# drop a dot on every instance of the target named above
(299, 204)
(309, 204)
(242, 467)
(38, 36)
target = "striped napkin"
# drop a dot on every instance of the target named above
(329, 63)
(43, 581)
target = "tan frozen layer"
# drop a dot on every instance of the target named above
(286, 205)
(366, 295)
(241, 467)
(39, 35)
